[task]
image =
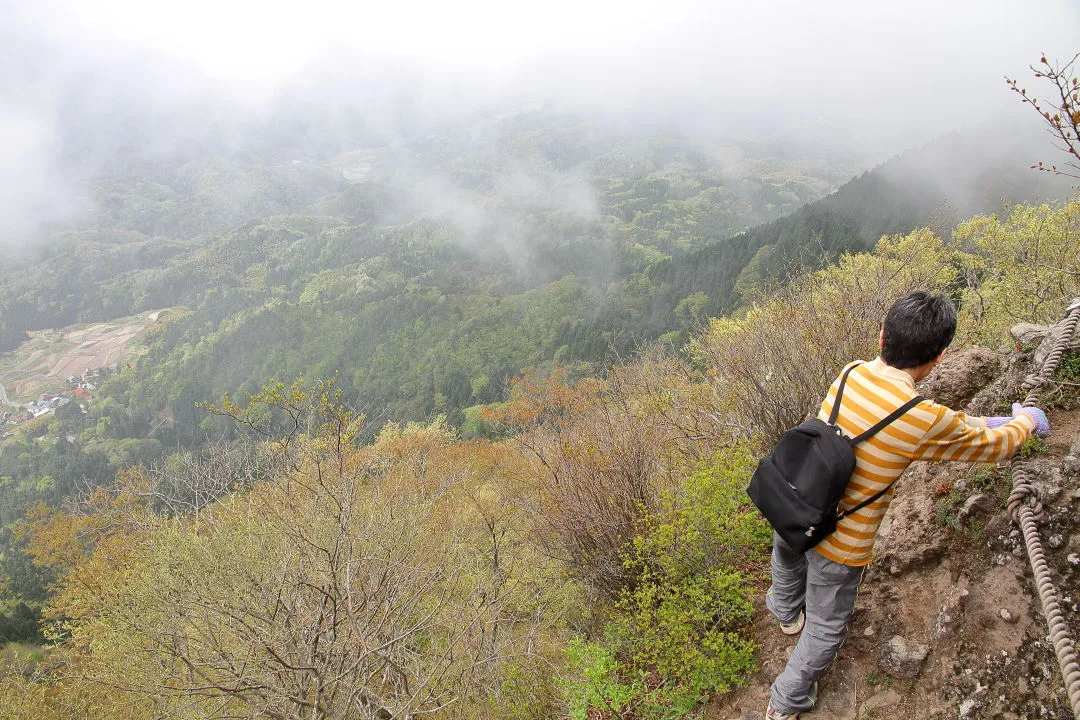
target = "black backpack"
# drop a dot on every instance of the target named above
(799, 485)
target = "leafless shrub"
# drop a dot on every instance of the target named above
(185, 485)
(601, 458)
(770, 369)
(359, 584)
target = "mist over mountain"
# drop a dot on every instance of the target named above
(85, 93)
(430, 269)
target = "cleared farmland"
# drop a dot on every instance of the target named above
(44, 362)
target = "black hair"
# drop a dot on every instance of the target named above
(917, 328)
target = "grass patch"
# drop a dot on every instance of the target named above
(878, 678)
(991, 481)
(1033, 446)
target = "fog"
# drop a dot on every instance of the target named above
(85, 85)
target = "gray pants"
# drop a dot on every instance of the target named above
(827, 590)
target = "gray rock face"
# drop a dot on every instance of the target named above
(989, 400)
(961, 375)
(910, 535)
(1029, 334)
(1070, 467)
(1046, 479)
(975, 506)
(1070, 464)
(903, 658)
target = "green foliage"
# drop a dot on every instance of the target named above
(681, 644)
(1065, 394)
(1024, 268)
(600, 685)
(1034, 445)
(707, 522)
(679, 635)
(753, 281)
(1069, 369)
(685, 633)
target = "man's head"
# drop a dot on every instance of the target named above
(918, 328)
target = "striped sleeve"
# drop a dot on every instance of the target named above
(957, 437)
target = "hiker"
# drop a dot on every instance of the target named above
(814, 592)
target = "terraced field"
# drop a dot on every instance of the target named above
(44, 362)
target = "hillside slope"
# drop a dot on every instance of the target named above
(954, 177)
(948, 623)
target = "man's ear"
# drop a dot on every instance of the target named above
(881, 339)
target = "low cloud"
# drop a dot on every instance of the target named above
(82, 85)
(36, 191)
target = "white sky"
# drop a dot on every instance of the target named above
(875, 75)
(778, 47)
(881, 75)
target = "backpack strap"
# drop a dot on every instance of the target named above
(840, 394)
(887, 420)
(841, 514)
(894, 415)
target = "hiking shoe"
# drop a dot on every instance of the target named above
(773, 714)
(795, 626)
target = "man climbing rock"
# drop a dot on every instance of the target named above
(814, 592)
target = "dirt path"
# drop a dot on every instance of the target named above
(4, 398)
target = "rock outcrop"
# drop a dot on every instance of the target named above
(961, 375)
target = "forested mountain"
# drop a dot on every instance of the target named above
(428, 271)
(422, 272)
(939, 184)
(425, 272)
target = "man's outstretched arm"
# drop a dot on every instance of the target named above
(958, 437)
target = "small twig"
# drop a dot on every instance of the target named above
(1065, 271)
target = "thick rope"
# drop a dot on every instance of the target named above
(1026, 510)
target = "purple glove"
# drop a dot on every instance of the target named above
(996, 422)
(1042, 425)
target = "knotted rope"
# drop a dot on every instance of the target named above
(1026, 510)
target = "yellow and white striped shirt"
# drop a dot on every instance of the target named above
(926, 432)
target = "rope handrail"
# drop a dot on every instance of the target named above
(1026, 510)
